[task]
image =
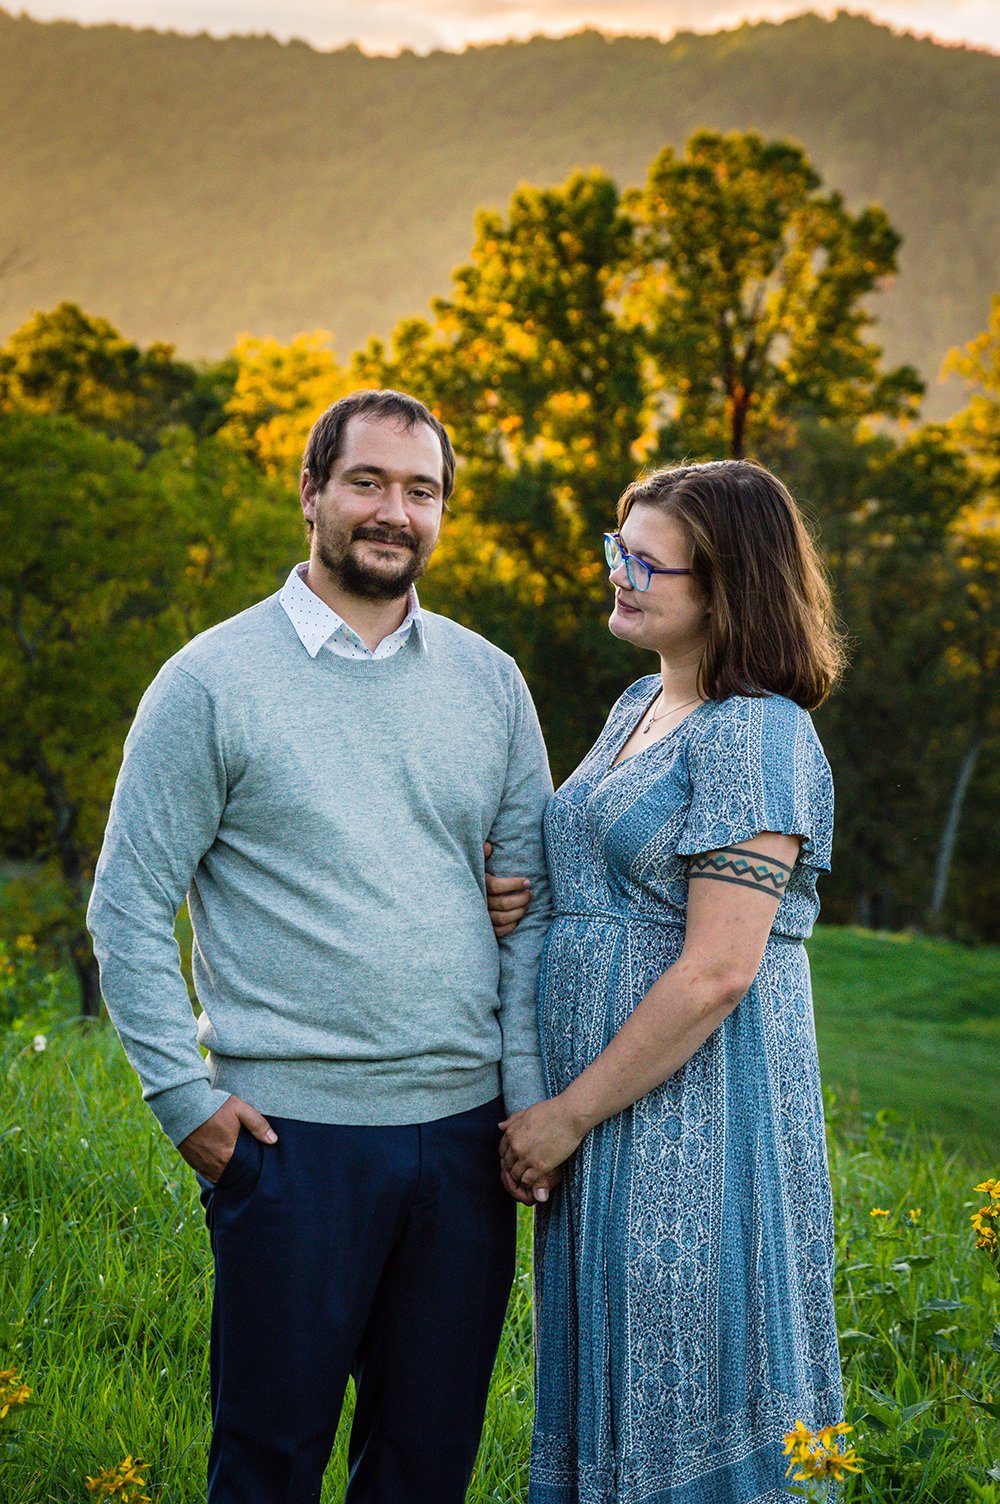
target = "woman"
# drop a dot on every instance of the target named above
(684, 1267)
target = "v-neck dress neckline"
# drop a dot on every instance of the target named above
(617, 761)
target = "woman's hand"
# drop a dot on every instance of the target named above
(539, 1191)
(507, 900)
(536, 1141)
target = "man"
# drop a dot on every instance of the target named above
(319, 775)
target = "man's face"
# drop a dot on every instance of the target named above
(376, 521)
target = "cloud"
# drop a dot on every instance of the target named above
(388, 25)
(379, 25)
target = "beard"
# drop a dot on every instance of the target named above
(386, 581)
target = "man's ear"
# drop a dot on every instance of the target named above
(307, 496)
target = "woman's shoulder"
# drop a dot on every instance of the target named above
(769, 725)
(636, 693)
(774, 714)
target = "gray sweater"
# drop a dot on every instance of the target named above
(325, 818)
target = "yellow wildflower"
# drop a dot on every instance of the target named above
(122, 1482)
(915, 1213)
(814, 1454)
(986, 1222)
(797, 1439)
(12, 1391)
(826, 1434)
(879, 1211)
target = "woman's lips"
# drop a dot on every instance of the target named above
(624, 609)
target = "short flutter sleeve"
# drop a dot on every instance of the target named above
(756, 765)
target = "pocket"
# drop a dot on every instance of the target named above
(243, 1166)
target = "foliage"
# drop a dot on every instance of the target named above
(531, 369)
(885, 510)
(191, 187)
(278, 393)
(67, 362)
(974, 645)
(985, 1222)
(909, 1025)
(105, 1294)
(109, 566)
(916, 1321)
(747, 288)
(34, 994)
(978, 424)
(728, 304)
(121, 1481)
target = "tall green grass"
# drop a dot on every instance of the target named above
(911, 1026)
(105, 1284)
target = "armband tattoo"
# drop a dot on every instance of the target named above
(741, 865)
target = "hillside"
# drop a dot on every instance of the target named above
(910, 1024)
(189, 188)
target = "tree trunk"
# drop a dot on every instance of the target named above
(739, 409)
(949, 834)
(87, 975)
(863, 909)
(74, 872)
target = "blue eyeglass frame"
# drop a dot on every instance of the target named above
(613, 546)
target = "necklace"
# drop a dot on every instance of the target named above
(672, 711)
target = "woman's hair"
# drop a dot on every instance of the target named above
(771, 624)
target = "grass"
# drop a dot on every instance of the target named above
(911, 1026)
(105, 1269)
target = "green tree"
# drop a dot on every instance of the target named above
(528, 364)
(278, 391)
(977, 426)
(973, 627)
(68, 362)
(748, 290)
(108, 567)
(886, 509)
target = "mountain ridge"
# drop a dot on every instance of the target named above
(190, 189)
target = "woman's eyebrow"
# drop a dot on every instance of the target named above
(643, 553)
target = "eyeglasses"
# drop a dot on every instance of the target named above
(638, 571)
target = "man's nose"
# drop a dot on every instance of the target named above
(391, 508)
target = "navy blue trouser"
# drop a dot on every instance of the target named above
(385, 1253)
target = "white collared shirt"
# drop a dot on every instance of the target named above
(319, 626)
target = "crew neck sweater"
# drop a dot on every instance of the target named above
(325, 818)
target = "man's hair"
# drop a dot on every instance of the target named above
(771, 624)
(326, 437)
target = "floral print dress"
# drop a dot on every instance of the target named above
(684, 1269)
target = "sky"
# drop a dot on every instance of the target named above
(388, 26)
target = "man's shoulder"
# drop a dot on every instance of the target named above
(250, 637)
(448, 636)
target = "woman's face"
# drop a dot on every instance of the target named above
(671, 617)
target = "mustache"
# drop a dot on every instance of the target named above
(386, 535)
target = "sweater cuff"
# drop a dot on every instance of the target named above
(181, 1109)
(522, 1080)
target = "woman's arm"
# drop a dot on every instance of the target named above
(732, 897)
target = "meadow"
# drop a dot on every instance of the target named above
(105, 1271)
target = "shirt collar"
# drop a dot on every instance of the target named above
(315, 621)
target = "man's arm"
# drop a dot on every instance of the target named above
(165, 814)
(516, 838)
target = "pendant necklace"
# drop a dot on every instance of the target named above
(672, 711)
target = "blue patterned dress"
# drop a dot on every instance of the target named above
(684, 1270)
